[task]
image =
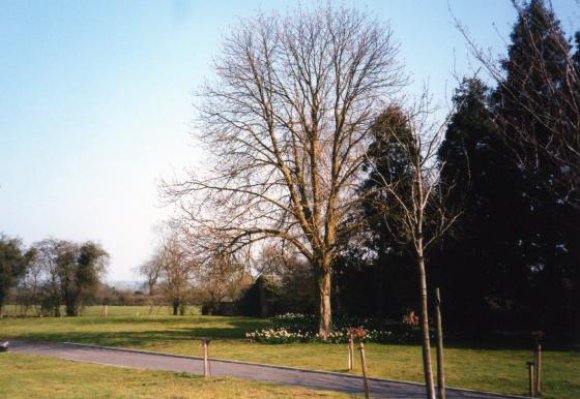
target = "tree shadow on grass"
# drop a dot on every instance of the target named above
(172, 330)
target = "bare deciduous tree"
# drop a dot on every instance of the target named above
(287, 120)
(151, 270)
(403, 164)
(272, 260)
(177, 267)
(30, 287)
(221, 278)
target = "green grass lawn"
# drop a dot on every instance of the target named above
(26, 377)
(19, 311)
(499, 370)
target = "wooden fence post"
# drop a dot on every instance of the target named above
(363, 361)
(538, 361)
(439, 322)
(531, 378)
(350, 353)
(206, 370)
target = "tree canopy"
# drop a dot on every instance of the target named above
(287, 120)
(13, 263)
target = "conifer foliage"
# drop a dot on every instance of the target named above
(515, 152)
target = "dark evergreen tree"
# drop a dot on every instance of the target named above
(516, 264)
(481, 270)
(536, 109)
(576, 56)
(534, 101)
(375, 276)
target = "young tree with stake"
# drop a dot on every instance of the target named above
(401, 163)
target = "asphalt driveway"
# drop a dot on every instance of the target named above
(379, 388)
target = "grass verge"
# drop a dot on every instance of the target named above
(494, 370)
(25, 377)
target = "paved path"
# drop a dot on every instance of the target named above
(379, 388)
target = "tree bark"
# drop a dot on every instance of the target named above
(426, 343)
(70, 311)
(324, 285)
(71, 306)
(440, 368)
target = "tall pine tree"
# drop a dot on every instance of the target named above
(517, 263)
(382, 284)
(481, 269)
(536, 108)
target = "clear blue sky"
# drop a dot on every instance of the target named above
(95, 101)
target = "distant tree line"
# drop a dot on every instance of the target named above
(263, 284)
(49, 275)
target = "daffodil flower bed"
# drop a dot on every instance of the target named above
(295, 327)
(283, 336)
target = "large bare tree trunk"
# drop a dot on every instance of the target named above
(324, 285)
(426, 342)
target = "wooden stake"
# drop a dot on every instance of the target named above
(538, 361)
(439, 322)
(205, 344)
(531, 378)
(364, 369)
(350, 353)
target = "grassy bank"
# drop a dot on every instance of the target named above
(496, 370)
